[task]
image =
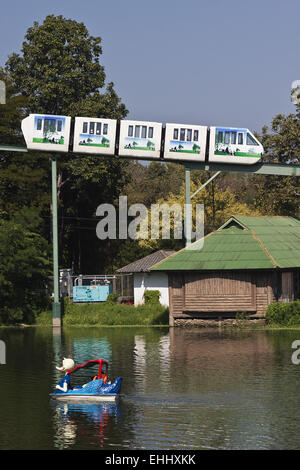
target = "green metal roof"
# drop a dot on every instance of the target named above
(242, 243)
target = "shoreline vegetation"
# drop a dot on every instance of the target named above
(109, 313)
(152, 313)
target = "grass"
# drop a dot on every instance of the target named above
(279, 316)
(184, 151)
(94, 145)
(109, 314)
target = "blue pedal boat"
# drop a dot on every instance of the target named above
(98, 388)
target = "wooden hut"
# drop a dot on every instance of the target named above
(245, 265)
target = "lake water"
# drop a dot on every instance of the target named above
(183, 389)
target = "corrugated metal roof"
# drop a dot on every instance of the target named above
(144, 264)
(242, 243)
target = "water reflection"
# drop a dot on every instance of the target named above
(72, 421)
(182, 389)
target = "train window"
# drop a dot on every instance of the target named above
(227, 138)
(105, 127)
(251, 140)
(196, 134)
(137, 131)
(130, 131)
(59, 126)
(240, 138)
(182, 134)
(220, 137)
(92, 127)
(233, 137)
(175, 134)
(85, 128)
(52, 125)
(46, 125)
(39, 125)
(150, 132)
(144, 132)
(98, 128)
(189, 135)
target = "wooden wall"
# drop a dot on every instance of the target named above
(220, 293)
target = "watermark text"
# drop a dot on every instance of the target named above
(2, 92)
(163, 221)
(2, 352)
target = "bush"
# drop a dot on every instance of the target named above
(151, 296)
(24, 270)
(109, 313)
(285, 314)
(112, 298)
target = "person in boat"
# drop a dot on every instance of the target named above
(64, 385)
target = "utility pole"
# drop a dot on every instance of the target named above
(187, 208)
(56, 306)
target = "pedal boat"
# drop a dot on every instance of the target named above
(98, 389)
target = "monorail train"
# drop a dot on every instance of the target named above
(47, 132)
(142, 139)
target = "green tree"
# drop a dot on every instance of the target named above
(23, 177)
(59, 65)
(216, 212)
(59, 72)
(24, 270)
(277, 195)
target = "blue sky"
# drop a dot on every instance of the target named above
(213, 62)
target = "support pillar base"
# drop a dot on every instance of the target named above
(56, 314)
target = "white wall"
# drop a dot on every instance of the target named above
(151, 281)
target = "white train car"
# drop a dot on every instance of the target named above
(94, 135)
(234, 145)
(47, 132)
(185, 142)
(140, 139)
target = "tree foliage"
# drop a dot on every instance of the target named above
(277, 195)
(58, 71)
(24, 271)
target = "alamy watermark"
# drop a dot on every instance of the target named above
(2, 92)
(296, 354)
(161, 221)
(2, 352)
